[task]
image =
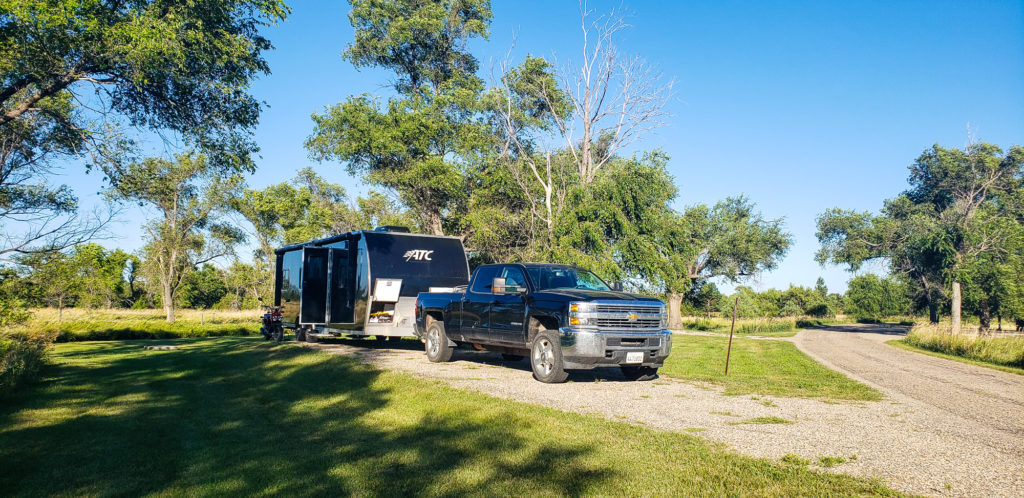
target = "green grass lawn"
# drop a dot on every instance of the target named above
(760, 367)
(239, 416)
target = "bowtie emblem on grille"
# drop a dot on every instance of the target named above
(632, 317)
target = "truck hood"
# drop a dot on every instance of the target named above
(591, 295)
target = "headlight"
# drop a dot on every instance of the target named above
(581, 307)
(580, 314)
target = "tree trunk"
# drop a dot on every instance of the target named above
(984, 317)
(933, 309)
(675, 304)
(168, 298)
(434, 223)
(954, 310)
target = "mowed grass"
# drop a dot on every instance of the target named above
(767, 367)
(77, 324)
(239, 416)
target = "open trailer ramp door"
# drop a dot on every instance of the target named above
(315, 277)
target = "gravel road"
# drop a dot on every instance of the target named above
(915, 446)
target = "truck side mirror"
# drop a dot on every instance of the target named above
(498, 285)
(617, 286)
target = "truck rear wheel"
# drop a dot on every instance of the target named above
(438, 349)
(639, 373)
(546, 358)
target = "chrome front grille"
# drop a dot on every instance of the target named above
(625, 323)
(628, 316)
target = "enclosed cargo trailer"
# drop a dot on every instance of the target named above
(364, 282)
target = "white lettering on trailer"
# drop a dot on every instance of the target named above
(418, 255)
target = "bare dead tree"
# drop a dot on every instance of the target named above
(615, 99)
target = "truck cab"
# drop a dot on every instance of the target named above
(561, 317)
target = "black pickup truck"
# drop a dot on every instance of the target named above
(561, 317)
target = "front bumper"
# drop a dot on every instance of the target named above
(587, 348)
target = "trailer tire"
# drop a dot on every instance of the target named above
(437, 343)
(546, 358)
(639, 373)
(310, 338)
(300, 334)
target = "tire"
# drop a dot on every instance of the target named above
(639, 373)
(436, 343)
(512, 357)
(278, 333)
(309, 337)
(266, 335)
(300, 334)
(546, 358)
(379, 340)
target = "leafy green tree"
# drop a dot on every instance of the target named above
(78, 77)
(703, 296)
(202, 288)
(246, 285)
(183, 67)
(421, 142)
(952, 214)
(190, 194)
(730, 240)
(56, 277)
(868, 296)
(101, 276)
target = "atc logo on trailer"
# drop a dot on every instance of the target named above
(418, 255)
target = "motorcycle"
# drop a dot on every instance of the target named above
(272, 328)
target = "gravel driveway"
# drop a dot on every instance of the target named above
(913, 445)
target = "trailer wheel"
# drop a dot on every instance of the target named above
(438, 350)
(639, 373)
(308, 334)
(546, 358)
(300, 334)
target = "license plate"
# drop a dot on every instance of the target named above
(637, 357)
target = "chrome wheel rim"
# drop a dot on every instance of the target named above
(433, 342)
(543, 357)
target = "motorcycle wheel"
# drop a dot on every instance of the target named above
(266, 335)
(278, 333)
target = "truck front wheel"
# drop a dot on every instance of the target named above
(546, 358)
(438, 350)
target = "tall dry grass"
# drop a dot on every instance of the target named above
(79, 324)
(1006, 350)
(21, 360)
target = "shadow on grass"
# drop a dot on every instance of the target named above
(235, 416)
(469, 354)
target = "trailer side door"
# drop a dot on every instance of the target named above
(315, 266)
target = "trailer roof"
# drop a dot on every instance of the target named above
(346, 235)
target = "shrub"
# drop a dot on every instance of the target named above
(820, 310)
(21, 360)
(1006, 351)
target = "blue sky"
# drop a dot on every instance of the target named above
(799, 105)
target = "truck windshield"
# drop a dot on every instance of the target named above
(565, 278)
